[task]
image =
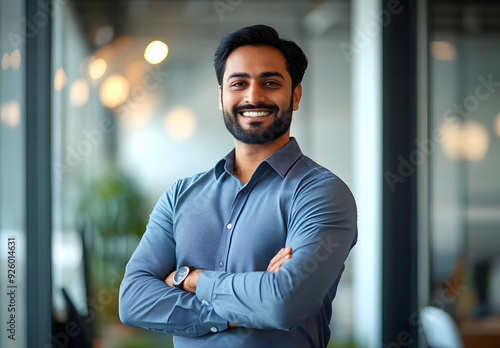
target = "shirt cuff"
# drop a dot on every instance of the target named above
(205, 287)
(214, 322)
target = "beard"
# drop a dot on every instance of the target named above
(257, 134)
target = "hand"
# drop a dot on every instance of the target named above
(189, 283)
(170, 279)
(276, 262)
(233, 324)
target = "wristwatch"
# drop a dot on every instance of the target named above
(181, 275)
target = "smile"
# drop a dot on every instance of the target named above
(255, 113)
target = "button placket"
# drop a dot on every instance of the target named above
(236, 207)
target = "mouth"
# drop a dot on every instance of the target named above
(255, 113)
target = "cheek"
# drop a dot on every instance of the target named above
(227, 101)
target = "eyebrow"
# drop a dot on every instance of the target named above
(261, 75)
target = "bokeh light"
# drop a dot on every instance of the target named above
(114, 91)
(5, 61)
(475, 141)
(156, 52)
(79, 92)
(467, 140)
(97, 68)
(10, 113)
(15, 59)
(442, 50)
(180, 123)
(104, 35)
(496, 125)
(60, 79)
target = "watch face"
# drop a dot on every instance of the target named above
(181, 274)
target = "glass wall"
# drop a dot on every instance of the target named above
(126, 125)
(12, 176)
(465, 202)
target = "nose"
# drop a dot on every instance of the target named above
(254, 94)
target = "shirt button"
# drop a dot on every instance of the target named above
(204, 302)
(229, 226)
(213, 329)
(221, 263)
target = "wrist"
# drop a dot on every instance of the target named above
(192, 280)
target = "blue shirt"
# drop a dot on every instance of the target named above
(214, 222)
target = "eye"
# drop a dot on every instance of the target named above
(238, 84)
(271, 84)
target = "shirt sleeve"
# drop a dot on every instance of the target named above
(146, 300)
(322, 228)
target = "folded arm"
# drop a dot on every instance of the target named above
(147, 298)
(146, 301)
(322, 230)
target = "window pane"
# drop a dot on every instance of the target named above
(465, 79)
(12, 176)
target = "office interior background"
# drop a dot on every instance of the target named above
(401, 100)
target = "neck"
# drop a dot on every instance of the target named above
(248, 156)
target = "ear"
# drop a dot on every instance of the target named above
(297, 94)
(220, 98)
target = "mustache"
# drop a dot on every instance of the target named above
(273, 108)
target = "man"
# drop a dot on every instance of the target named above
(250, 253)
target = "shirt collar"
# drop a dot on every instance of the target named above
(281, 161)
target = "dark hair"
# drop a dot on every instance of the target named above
(257, 35)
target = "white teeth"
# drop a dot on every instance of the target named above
(255, 113)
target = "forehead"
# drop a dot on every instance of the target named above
(254, 60)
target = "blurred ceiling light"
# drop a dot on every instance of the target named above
(475, 141)
(450, 130)
(15, 59)
(79, 92)
(5, 61)
(496, 125)
(60, 79)
(97, 68)
(11, 113)
(443, 50)
(104, 35)
(180, 123)
(114, 91)
(156, 52)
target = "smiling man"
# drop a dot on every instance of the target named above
(249, 253)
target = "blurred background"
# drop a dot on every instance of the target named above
(123, 95)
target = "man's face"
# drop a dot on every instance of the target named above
(256, 97)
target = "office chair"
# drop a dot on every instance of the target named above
(440, 329)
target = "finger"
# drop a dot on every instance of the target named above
(277, 261)
(276, 266)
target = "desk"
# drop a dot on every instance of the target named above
(482, 333)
